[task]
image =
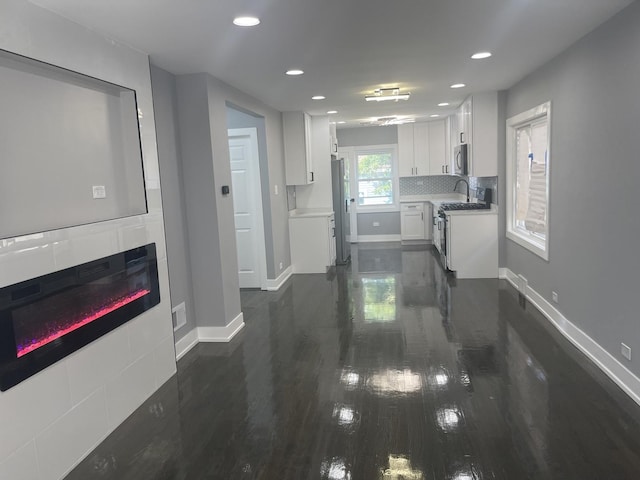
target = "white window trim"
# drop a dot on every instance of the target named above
(522, 237)
(392, 207)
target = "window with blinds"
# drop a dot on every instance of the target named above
(528, 179)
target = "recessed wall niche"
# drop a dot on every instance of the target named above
(70, 151)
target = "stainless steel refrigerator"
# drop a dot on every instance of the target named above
(342, 207)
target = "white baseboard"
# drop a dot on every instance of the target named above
(379, 238)
(274, 285)
(186, 343)
(610, 365)
(221, 334)
(209, 334)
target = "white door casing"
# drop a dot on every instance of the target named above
(247, 207)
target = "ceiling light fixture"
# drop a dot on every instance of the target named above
(341, 122)
(383, 94)
(434, 115)
(458, 85)
(481, 55)
(443, 104)
(331, 112)
(246, 21)
(294, 72)
(318, 97)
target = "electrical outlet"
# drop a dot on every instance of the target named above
(376, 224)
(626, 351)
(275, 189)
(99, 191)
(554, 297)
(281, 265)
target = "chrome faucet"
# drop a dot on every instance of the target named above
(466, 183)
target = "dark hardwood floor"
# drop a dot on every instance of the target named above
(385, 369)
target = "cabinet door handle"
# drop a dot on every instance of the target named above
(312, 179)
(416, 170)
(422, 215)
(435, 220)
(442, 168)
(446, 169)
(334, 232)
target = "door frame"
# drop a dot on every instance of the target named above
(252, 133)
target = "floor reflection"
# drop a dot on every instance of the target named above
(387, 368)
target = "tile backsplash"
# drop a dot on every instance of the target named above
(445, 184)
(427, 185)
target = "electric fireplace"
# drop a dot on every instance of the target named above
(44, 319)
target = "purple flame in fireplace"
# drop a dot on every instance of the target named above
(42, 322)
(49, 332)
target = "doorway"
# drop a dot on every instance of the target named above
(247, 206)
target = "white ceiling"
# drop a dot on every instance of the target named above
(348, 47)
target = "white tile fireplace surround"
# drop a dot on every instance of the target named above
(52, 420)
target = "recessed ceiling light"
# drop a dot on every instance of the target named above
(318, 97)
(341, 122)
(246, 21)
(458, 85)
(481, 55)
(294, 72)
(443, 104)
(331, 112)
(434, 115)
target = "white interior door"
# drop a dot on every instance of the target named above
(247, 206)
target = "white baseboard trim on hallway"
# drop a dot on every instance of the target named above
(186, 343)
(610, 365)
(378, 238)
(208, 334)
(221, 334)
(274, 285)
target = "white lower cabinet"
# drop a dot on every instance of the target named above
(412, 221)
(472, 245)
(313, 242)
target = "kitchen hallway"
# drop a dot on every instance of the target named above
(384, 369)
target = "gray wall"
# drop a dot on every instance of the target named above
(239, 119)
(362, 136)
(65, 134)
(389, 223)
(173, 205)
(215, 303)
(594, 221)
(194, 116)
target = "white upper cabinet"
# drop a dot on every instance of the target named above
(406, 165)
(477, 123)
(438, 158)
(297, 148)
(422, 149)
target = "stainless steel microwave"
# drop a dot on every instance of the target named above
(460, 159)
